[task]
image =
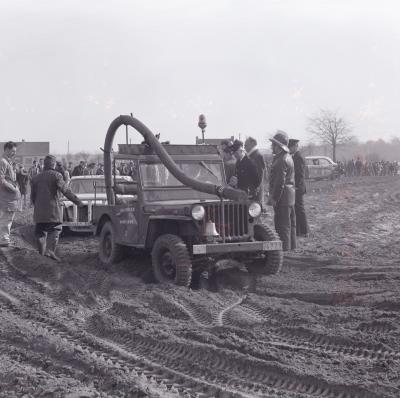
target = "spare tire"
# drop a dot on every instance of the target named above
(171, 260)
(270, 262)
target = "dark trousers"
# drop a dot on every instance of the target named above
(285, 226)
(301, 218)
(44, 228)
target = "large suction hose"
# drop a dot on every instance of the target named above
(226, 192)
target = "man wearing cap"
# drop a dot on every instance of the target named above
(282, 191)
(300, 185)
(245, 177)
(47, 212)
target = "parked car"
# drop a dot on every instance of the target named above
(320, 167)
(90, 189)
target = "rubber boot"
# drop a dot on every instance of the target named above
(41, 245)
(52, 241)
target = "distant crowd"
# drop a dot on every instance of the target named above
(359, 168)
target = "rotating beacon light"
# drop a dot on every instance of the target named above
(202, 124)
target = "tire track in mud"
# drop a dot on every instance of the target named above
(114, 358)
(376, 327)
(295, 338)
(201, 371)
(303, 339)
(205, 318)
(246, 375)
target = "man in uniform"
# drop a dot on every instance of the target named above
(9, 192)
(300, 185)
(47, 210)
(282, 191)
(245, 177)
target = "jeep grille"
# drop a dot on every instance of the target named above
(236, 219)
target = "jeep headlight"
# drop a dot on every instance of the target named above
(198, 212)
(254, 210)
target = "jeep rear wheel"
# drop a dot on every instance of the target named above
(271, 261)
(171, 261)
(110, 252)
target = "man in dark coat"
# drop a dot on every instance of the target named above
(300, 185)
(47, 212)
(255, 156)
(245, 177)
(80, 169)
(282, 191)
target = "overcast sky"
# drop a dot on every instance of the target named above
(68, 68)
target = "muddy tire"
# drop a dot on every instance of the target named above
(110, 252)
(171, 260)
(271, 262)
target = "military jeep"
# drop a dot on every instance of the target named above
(169, 215)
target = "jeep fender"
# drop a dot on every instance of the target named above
(177, 225)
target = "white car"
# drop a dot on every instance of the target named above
(90, 189)
(319, 167)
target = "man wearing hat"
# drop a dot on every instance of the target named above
(245, 177)
(300, 185)
(47, 212)
(282, 191)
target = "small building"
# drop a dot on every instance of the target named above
(212, 141)
(27, 152)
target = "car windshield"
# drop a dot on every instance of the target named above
(157, 175)
(87, 185)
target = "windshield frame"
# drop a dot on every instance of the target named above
(200, 162)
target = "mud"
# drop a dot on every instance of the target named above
(327, 326)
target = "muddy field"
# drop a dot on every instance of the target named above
(327, 326)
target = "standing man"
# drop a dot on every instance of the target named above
(33, 170)
(23, 182)
(250, 145)
(282, 191)
(228, 159)
(9, 192)
(47, 212)
(245, 177)
(41, 165)
(80, 169)
(300, 185)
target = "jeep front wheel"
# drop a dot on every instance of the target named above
(110, 252)
(270, 262)
(171, 261)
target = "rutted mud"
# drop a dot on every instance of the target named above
(327, 326)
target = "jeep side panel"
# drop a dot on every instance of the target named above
(124, 219)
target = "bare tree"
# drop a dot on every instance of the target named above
(330, 128)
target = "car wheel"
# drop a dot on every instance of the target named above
(110, 252)
(270, 262)
(171, 260)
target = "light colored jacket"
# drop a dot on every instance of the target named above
(9, 192)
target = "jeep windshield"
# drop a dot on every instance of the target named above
(87, 185)
(157, 175)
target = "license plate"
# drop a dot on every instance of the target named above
(274, 245)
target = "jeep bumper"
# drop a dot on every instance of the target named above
(239, 247)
